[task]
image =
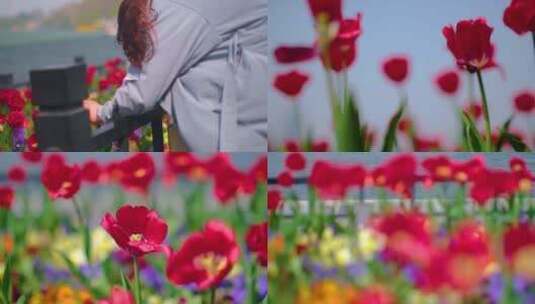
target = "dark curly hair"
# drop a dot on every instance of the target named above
(136, 21)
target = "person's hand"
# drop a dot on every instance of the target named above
(92, 107)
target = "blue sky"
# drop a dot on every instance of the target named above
(411, 27)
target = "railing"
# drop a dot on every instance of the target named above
(63, 124)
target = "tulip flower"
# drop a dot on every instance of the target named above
(274, 200)
(524, 102)
(136, 229)
(448, 82)
(7, 197)
(205, 258)
(440, 168)
(118, 296)
(520, 16)
(519, 246)
(91, 171)
(333, 181)
(341, 52)
(295, 161)
(137, 172)
(60, 179)
(492, 183)
(396, 68)
(256, 239)
(326, 11)
(474, 109)
(16, 174)
(285, 179)
(294, 54)
(320, 146)
(291, 83)
(291, 146)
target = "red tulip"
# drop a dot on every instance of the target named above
(118, 296)
(274, 200)
(16, 119)
(448, 82)
(229, 182)
(7, 197)
(326, 10)
(474, 109)
(137, 172)
(468, 170)
(333, 181)
(519, 248)
(285, 179)
(16, 174)
(205, 258)
(291, 83)
(136, 229)
(400, 174)
(90, 74)
(91, 172)
(15, 101)
(342, 50)
(320, 146)
(59, 179)
(525, 102)
(295, 161)
(405, 125)
(439, 167)
(291, 146)
(470, 44)
(517, 164)
(185, 163)
(409, 237)
(293, 54)
(424, 144)
(256, 239)
(492, 183)
(375, 294)
(396, 68)
(520, 16)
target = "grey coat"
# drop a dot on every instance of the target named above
(209, 72)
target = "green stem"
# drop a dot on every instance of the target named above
(78, 210)
(488, 141)
(212, 295)
(252, 286)
(137, 285)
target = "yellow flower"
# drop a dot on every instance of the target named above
(369, 243)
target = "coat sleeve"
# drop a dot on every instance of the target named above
(181, 38)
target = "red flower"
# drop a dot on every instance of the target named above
(519, 246)
(205, 258)
(256, 239)
(492, 183)
(291, 83)
(405, 125)
(400, 174)
(15, 101)
(474, 109)
(136, 229)
(17, 174)
(59, 179)
(525, 102)
(229, 182)
(274, 200)
(291, 146)
(119, 296)
(27, 94)
(90, 74)
(16, 119)
(396, 68)
(32, 157)
(320, 146)
(376, 295)
(326, 10)
(91, 171)
(295, 161)
(409, 237)
(424, 144)
(333, 181)
(293, 54)
(448, 82)
(466, 171)
(520, 16)
(137, 172)
(439, 167)
(285, 179)
(7, 197)
(32, 145)
(184, 163)
(517, 164)
(342, 50)
(470, 44)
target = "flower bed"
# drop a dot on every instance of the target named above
(17, 112)
(476, 246)
(126, 231)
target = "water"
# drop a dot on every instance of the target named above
(22, 52)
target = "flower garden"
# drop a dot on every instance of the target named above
(472, 49)
(412, 229)
(17, 112)
(144, 228)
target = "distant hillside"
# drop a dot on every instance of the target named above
(87, 15)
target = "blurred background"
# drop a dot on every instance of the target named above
(40, 33)
(412, 27)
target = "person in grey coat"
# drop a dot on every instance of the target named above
(204, 62)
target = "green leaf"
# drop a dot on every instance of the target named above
(87, 242)
(22, 299)
(390, 136)
(195, 208)
(80, 276)
(125, 283)
(517, 143)
(471, 134)
(503, 134)
(347, 126)
(6, 282)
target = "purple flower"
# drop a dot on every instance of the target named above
(19, 142)
(152, 277)
(91, 271)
